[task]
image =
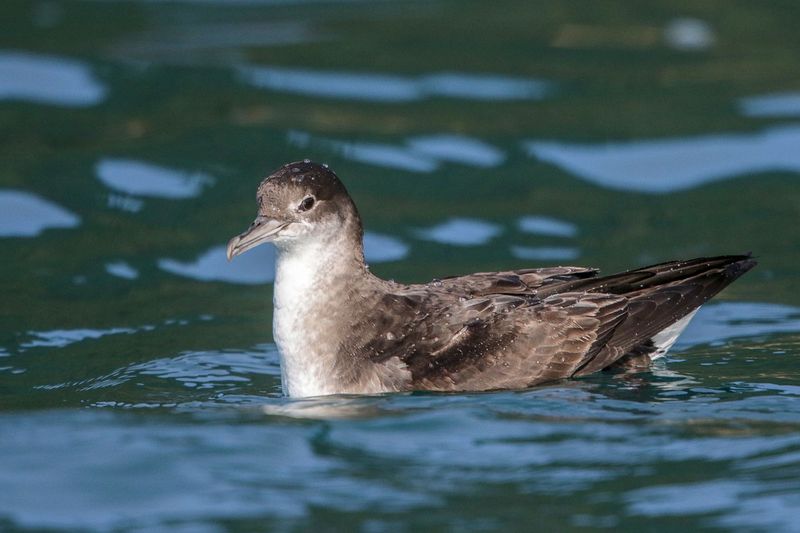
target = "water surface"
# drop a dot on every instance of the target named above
(139, 381)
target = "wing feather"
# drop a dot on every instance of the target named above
(519, 328)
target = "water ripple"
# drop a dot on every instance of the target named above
(746, 503)
(48, 80)
(546, 253)
(458, 149)
(121, 269)
(461, 232)
(721, 321)
(257, 266)
(61, 338)
(422, 154)
(381, 248)
(549, 226)
(24, 214)
(771, 105)
(393, 88)
(204, 369)
(146, 179)
(668, 165)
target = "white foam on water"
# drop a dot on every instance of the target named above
(24, 214)
(48, 80)
(146, 179)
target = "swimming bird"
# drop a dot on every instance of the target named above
(342, 330)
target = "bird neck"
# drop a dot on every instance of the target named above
(319, 262)
(319, 286)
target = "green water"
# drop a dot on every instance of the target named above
(139, 382)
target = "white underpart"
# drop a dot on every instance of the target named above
(299, 273)
(665, 338)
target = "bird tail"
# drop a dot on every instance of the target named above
(662, 299)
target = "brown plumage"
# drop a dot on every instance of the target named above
(340, 329)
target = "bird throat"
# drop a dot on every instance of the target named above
(313, 300)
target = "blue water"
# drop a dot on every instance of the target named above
(139, 380)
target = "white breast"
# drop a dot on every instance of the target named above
(306, 358)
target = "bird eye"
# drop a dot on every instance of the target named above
(306, 204)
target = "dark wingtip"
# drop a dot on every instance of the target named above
(740, 265)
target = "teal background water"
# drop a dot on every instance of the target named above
(139, 382)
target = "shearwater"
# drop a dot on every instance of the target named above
(342, 330)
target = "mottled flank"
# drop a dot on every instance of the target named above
(340, 329)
